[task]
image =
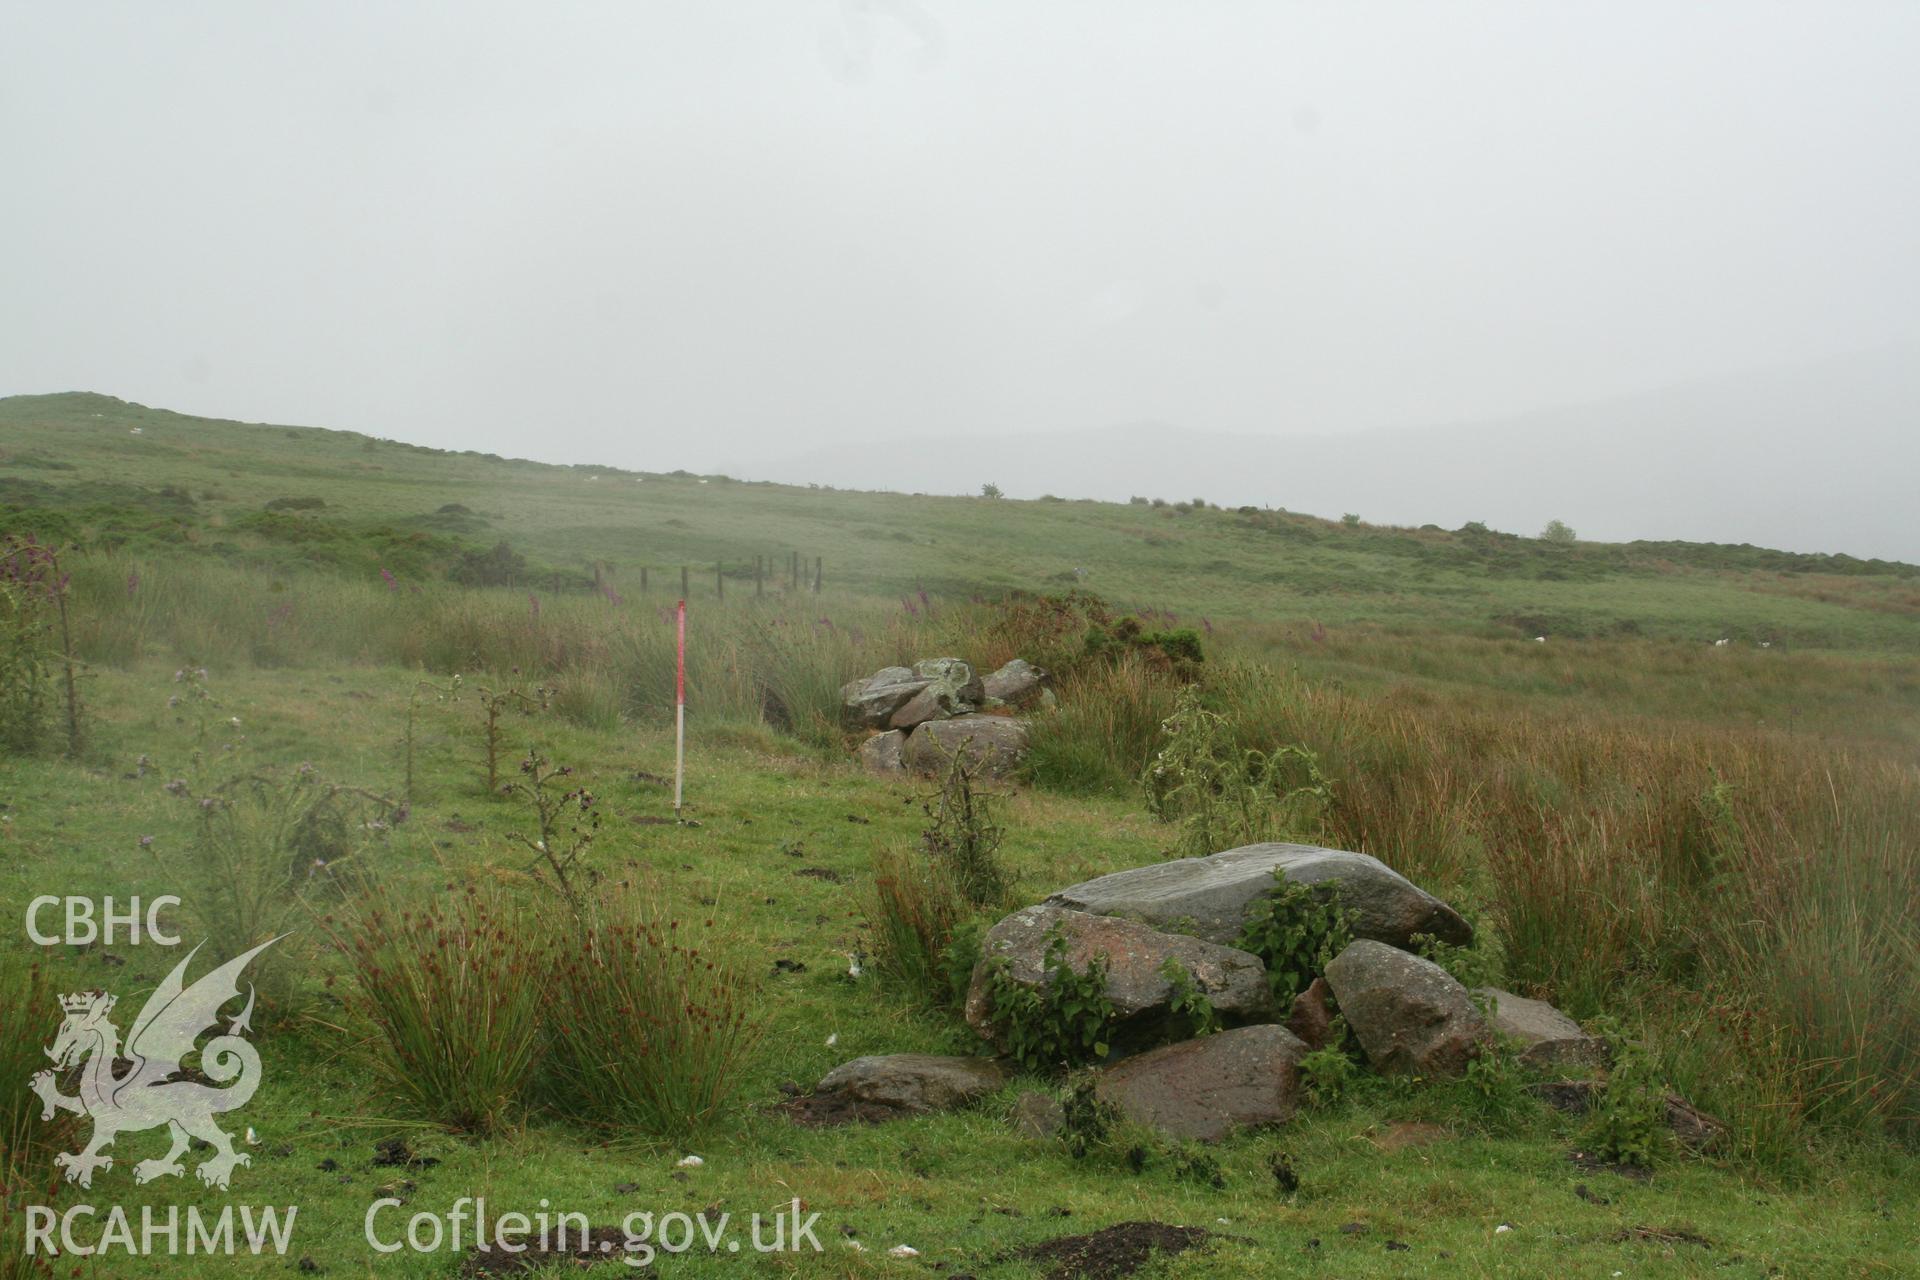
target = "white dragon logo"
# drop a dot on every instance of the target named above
(146, 1095)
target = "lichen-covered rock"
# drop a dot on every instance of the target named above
(914, 1083)
(1205, 1089)
(995, 744)
(882, 752)
(1410, 1015)
(1016, 684)
(1211, 897)
(935, 702)
(954, 674)
(870, 703)
(1546, 1036)
(1137, 963)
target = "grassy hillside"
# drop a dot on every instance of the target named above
(1713, 846)
(71, 465)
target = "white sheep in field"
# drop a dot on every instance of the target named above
(1721, 644)
(1539, 639)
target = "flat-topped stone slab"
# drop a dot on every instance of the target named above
(1210, 897)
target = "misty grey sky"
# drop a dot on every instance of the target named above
(667, 234)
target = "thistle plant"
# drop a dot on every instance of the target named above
(446, 692)
(565, 822)
(963, 836)
(1219, 795)
(494, 703)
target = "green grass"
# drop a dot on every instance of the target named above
(200, 487)
(960, 1188)
(1714, 843)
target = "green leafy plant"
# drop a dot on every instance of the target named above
(1061, 1022)
(1495, 1088)
(1086, 1123)
(1218, 795)
(1482, 963)
(1627, 1123)
(1189, 1003)
(1296, 930)
(1330, 1073)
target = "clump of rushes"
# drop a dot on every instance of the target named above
(453, 992)
(29, 1016)
(650, 1022)
(917, 910)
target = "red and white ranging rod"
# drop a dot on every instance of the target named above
(680, 707)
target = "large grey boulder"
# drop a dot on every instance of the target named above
(882, 752)
(954, 674)
(995, 744)
(870, 703)
(1136, 959)
(935, 702)
(1204, 1089)
(913, 1083)
(1410, 1015)
(1211, 897)
(1017, 684)
(1547, 1037)
(951, 689)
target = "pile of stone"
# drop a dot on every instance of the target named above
(1410, 1016)
(922, 716)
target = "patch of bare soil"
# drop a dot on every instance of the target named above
(1112, 1252)
(829, 1110)
(1588, 1162)
(599, 1245)
(1661, 1235)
